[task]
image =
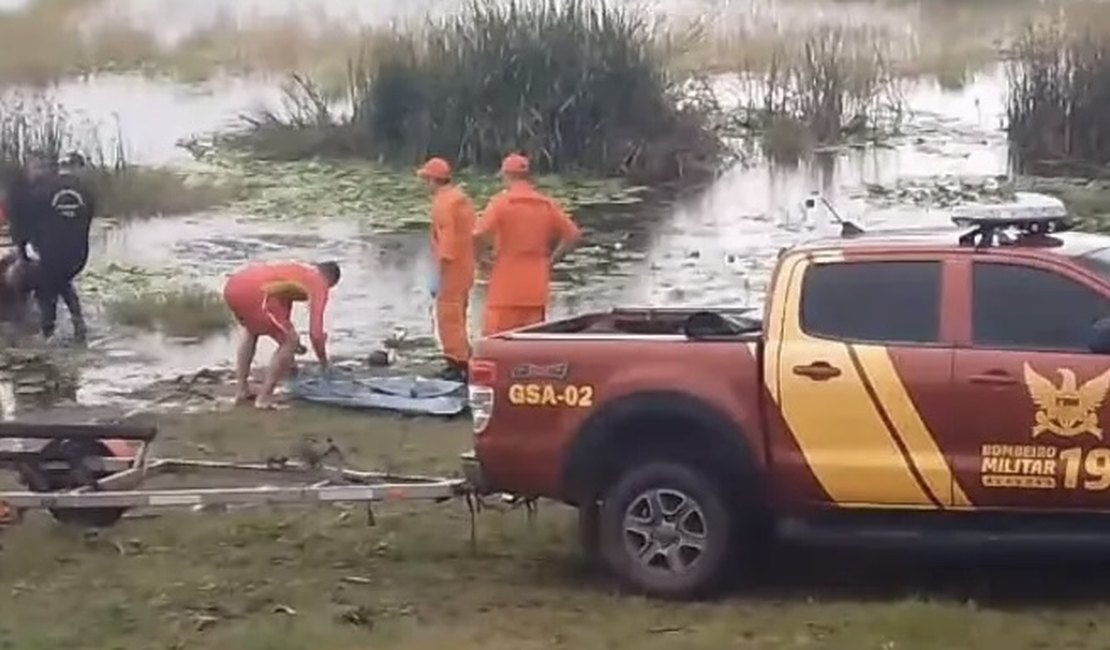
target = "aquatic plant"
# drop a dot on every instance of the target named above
(578, 86)
(1059, 90)
(185, 312)
(831, 84)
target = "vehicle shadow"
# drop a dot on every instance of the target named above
(1005, 581)
(1011, 580)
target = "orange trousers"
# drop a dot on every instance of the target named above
(451, 327)
(501, 319)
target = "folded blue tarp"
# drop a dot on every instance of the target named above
(407, 394)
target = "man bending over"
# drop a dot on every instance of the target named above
(261, 296)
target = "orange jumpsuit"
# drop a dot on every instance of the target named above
(453, 245)
(523, 224)
(262, 295)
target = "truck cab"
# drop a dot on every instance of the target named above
(942, 384)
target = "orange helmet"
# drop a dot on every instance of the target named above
(436, 169)
(514, 163)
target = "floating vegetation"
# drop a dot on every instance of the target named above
(943, 192)
(383, 197)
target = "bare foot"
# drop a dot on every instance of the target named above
(265, 403)
(243, 399)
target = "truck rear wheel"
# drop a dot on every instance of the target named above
(665, 530)
(589, 534)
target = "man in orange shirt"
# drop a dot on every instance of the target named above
(529, 232)
(453, 247)
(261, 296)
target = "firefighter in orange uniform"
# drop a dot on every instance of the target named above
(529, 233)
(453, 222)
(261, 297)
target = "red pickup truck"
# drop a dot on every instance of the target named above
(942, 386)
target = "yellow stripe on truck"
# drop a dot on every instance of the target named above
(893, 397)
(842, 437)
(856, 463)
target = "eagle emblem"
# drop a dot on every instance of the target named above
(1069, 410)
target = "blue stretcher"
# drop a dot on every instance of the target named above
(404, 394)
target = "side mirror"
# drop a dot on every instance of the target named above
(1099, 341)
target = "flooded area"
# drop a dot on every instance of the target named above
(714, 247)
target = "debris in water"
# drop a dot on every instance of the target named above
(379, 359)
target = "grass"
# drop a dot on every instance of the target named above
(186, 312)
(34, 122)
(1059, 86)
(577, 86)
(320, 578)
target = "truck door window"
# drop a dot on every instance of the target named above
(1027, 308)
(896, 302)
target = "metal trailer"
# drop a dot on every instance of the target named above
(75, 471)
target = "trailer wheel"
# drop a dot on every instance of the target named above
(78, 450)
(666, 530)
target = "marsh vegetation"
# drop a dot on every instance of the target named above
(1059, 90)
(185, 312)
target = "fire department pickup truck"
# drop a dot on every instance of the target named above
(942, 386)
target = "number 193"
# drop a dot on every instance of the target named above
(1093, 468)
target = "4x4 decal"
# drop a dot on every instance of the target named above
(1069, 410)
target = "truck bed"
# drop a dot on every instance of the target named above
(652, 321)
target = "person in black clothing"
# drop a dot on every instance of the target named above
(51, 210)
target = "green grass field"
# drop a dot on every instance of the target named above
(321, 579)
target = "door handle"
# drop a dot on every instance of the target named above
(817, 371)
(994, 378)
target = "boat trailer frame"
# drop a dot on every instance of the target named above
(71, 471)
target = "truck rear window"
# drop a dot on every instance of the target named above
(889, 302)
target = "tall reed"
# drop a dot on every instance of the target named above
(1059, 93)
(830, 83)
(577, 85)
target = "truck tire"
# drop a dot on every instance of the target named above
(589, 534)
(666, 531)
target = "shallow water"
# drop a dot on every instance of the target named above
(155, 116)
(715, 248)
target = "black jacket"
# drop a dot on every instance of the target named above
(54, 214)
